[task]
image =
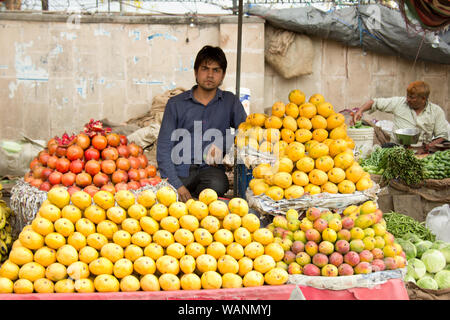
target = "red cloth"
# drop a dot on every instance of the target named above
(253, 293)
(393, 289)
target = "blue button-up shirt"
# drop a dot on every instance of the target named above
(198, 127)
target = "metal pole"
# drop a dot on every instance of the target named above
(238, 83)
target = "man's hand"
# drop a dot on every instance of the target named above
(214, 156)
(357, 116)
(184, 194)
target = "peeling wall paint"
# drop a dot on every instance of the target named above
(68, 35)
(101, 32)
(136, 34)
(163, 35)
(145, 81)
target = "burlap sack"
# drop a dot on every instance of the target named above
(157, 109)
(149, 124)
(18, 163)
(416, 293)
(289, 53)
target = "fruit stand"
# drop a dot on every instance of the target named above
(92, 220)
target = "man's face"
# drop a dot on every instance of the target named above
(414, 101)
(209, 75)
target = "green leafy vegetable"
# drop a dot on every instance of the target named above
(400, 225)
(434, 260)
(428, 283)
(443, 279)
(395, 163)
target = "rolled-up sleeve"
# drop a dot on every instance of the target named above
(388, 105)
(165, 145)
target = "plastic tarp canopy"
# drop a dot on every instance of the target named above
(373, 27)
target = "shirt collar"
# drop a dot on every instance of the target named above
(190, 95)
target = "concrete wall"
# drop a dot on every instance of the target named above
(348, 77)
(54, 78)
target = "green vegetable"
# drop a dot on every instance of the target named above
(443, 279)
(396, 163)
(408, 247)
(427, 283)
(409, 278)
(446, 252)
(439, 244)
(359, 125)
(416, 268)
(400, 225)
(434, 260)
(436, 166)
(414, 238)
(400, 163)
(423, 246)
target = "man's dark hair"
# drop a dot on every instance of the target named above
(210, 53)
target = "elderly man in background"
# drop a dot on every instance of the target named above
(412, 111)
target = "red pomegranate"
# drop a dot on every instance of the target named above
(151, 171)
(74, 152)
(62, 165)
(55, 177)
(43, 157)
(83, 140)
(83, 179)
(91, 190)
(123, 151)
(76, 166)
(99, 142)
(91, 154)
(110, 153)
(108, 187)
(73, 189)
(121, 186)
(123, 139)
(119, 176)
(133, 185)
(108, 166)
(143, 161)
(123, 164)
(113, 139)
(134, 149)
(51, 162)
(68, 179)
(100, 179)
(45, 186)
(134, 162)
(92, 167)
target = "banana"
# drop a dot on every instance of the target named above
(3, 234)
(8, 227)
(2, 218)
(8, 240)
(8, 212)
(3, 248)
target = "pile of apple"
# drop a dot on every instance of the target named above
(95, 159)
(329, 244)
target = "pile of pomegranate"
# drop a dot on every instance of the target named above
(95, 159)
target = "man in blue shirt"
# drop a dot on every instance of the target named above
(195, 129)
